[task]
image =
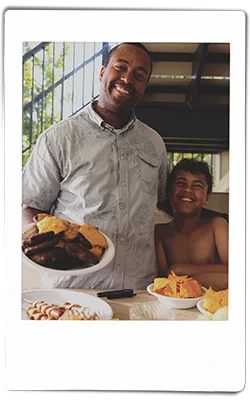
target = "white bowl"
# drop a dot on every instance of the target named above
(200, 307)
(108, 255)
(176, 302)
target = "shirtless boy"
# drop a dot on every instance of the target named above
(190, 244)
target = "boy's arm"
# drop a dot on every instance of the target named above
(190, 269)
(214, 275)
(160, 252)
(221, 238)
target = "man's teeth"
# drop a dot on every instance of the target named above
(122, 90)
(186, 199)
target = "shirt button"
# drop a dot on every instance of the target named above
(122, 157)
(123, 184)
(124, 211)
(118, 267)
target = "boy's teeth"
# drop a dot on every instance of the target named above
(186, 199)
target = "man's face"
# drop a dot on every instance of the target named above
(124, 79)
(189, 193)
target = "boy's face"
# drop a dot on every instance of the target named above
(189, 193)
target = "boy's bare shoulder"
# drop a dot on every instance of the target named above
(216, 222)
(220, 224)
(219, 221)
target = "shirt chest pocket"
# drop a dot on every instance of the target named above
(148, 173)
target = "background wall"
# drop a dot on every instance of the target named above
(219, 202)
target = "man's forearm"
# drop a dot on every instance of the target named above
(28, 213)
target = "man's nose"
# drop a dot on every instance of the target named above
(128, 77)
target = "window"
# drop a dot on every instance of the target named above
(59, 79)
(213, 161)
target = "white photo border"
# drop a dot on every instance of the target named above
(153, 356)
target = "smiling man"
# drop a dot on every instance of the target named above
(124, 78)
(104, 167)
(190, 244)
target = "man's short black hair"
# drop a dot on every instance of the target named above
(139, 45)
(195, 167)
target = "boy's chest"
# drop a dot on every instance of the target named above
(195, 248)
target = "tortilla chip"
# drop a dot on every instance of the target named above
(177, 286)
(171, 289)
(93, 235)
(179, 278)
(52, 223)
(213, 300)
(159, 283)
(190, 288)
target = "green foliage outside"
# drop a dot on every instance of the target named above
(42, 109)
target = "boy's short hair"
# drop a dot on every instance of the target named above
(195, 167)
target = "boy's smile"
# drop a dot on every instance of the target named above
(189, 193)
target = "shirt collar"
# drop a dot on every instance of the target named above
(104, 125)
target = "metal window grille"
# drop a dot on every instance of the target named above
(59, 79)
(213, 161)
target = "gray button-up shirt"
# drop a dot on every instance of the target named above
(111, 178)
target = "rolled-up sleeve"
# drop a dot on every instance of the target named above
(41, 175)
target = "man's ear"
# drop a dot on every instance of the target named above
(101, 73)
(207, 199)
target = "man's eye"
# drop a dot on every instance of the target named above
(198, 186)
(140, 77)
(179, 183)
(120, 67)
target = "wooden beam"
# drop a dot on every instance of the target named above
(170, 105)
(213, 58)
(176, 57)
(197, 68)
(203, 89)
(166, 89)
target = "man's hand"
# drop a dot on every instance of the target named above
(29, 213)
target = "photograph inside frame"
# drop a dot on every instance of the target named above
(125, 185)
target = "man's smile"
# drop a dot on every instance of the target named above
(123, 90)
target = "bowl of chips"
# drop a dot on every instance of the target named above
(214, 305)
(61, 247)
(179, 292)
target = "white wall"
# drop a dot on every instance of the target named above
(219, 202)
(224, 164)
